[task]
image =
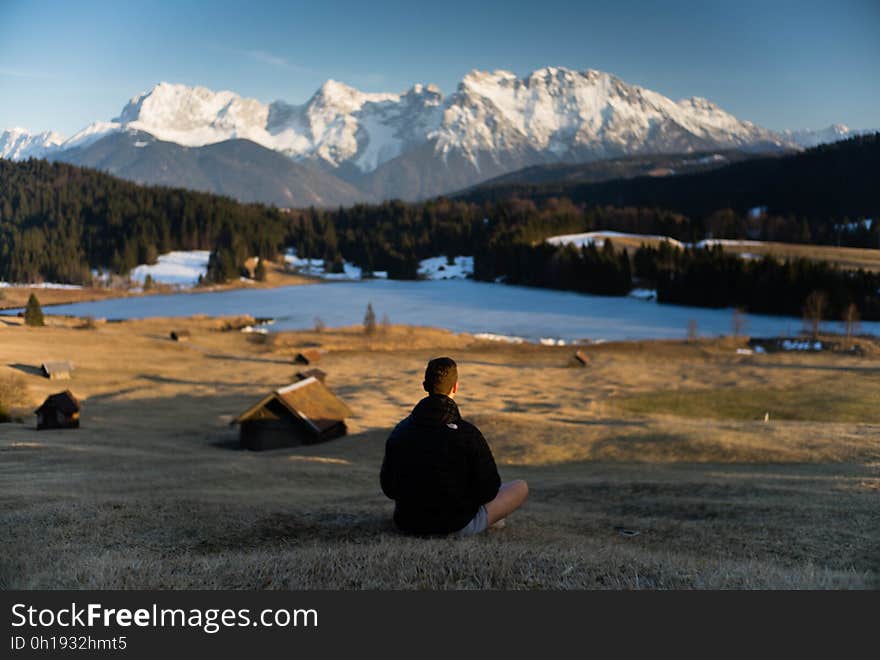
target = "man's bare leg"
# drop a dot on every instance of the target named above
(510, 497)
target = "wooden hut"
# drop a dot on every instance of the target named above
(59, 411)
(320, 374)
(57, 370)
(581, 359)
(302, 413)
(307, 356)
(180, 335)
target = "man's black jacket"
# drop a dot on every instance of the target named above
(438, 469)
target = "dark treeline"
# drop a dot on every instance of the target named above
(58, 221)
(588, 269)
(710, 278)
(810, 197)
(506, 239)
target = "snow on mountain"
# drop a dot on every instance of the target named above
(19, 144)
(556, 112)
(811, 138)
(560, 111)
(414, 144)
(90, 134)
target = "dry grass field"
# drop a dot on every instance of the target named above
(844, 257)
(666, 439)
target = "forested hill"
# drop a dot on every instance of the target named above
(836, 181)
(58, 221)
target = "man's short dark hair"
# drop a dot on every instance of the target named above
(441, 375)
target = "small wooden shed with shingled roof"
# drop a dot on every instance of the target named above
(59, 411)
(57, 370)
(304, 412)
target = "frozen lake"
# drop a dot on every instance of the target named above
(459, 305)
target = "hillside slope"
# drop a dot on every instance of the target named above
(836, 181)
(238, 168)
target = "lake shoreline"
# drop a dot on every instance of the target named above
(465, 306)
(15, 296)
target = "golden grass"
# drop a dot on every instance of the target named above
(845, 257)
(151, 492)
(818, 401)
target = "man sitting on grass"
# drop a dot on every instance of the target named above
(438, 468)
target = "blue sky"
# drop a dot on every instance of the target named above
(780, 64)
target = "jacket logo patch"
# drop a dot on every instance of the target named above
(454, 427)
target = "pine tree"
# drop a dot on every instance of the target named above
(336, 265)
(33, 314)
(260, 271)
(370, 320)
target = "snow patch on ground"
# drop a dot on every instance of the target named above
(438, 268)
(315, 268)
(711, 242)
(507, 339)
(181, 268)
(597, 238)
(39, 285)
(801, 345)
(643, 294)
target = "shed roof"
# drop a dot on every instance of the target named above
(57, 368)
(309, 400)
(307, 356)
(581, 357)
(320, 374)
(64, 401)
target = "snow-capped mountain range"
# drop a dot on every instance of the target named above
(18, 143)
(807, 138)
(420, 142)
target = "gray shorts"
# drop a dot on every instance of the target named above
(479, 523)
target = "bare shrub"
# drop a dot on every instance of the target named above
(320, 326)
(851, 323)
(739, 322)
(814, 308)
(370, 320)
(692, 330)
